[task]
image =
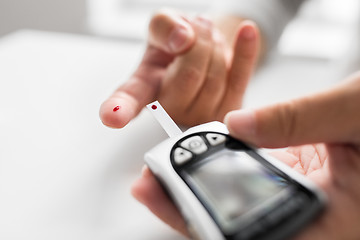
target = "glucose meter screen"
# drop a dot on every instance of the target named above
(236, 187)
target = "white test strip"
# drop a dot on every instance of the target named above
(164, 119)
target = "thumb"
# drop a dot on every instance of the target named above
(332, 116)
(170, 32)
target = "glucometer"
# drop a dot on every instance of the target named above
(228, 190)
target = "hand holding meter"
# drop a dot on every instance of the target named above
(226, 189)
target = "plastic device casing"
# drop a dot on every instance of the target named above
(200, 223)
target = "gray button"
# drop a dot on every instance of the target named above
(195, 144)
(215, 139)
(182, 156)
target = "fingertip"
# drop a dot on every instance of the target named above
(115, 113)
(248, 30)
(147, 190)
(137, 190)
(228, 121)
(248, 42)
(242, 124)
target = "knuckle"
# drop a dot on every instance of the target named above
(190, 75)
(287, 120)
(212, 84)
(204, 29)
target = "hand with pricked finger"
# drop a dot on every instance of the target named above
(189, 67)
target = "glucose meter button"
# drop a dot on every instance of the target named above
(215, 139)
(195, 144)
(182, 156)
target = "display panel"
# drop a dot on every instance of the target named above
(236, 187)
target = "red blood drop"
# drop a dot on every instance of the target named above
(116, 108)
(154, 107)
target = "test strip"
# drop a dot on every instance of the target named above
(164, 119)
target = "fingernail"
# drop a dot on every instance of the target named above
(178, 39)
(241, 123)
(248, 32)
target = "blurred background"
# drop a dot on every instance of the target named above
(324, 29)
(112, 18)
(63, 175)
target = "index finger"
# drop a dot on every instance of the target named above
(169, 34)
(143, 86)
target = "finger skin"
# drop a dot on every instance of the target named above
(149, 192)
(205, 106)
(121, 117)
(186, 74)
(141, 89)
(341, 184)
(246, 51)
(170, 32)
(219, 93)
(144, 85)
(332, 116)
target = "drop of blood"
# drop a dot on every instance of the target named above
(154, 107)
(116, 108)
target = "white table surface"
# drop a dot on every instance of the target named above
(65, 176)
